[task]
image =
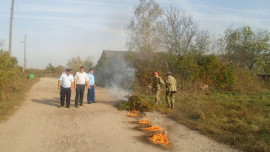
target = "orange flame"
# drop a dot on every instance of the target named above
(161, 139)
(153, 128)
(144, 121)
(135, 111)
(132, 114)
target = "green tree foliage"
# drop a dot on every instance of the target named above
(8, 67)
(8, 71)
(245, 48)
(188, 69)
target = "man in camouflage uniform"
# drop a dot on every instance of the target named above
(170, 90)
(158, 82)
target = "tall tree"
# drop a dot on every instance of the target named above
(177, 30)
(245, 48)
(202, 42)
(143, 27)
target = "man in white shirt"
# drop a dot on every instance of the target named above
(91, 90)
(65, 83)
(81, 78)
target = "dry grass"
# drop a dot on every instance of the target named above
(15, 94)
(241, 120)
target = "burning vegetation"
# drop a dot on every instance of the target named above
(154, 128)
(144, 121)
(132, 114)
(157, 138)
(161, 139)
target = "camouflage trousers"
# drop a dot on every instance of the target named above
(157, 99)
(170, 99)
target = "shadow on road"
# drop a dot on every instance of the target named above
(55, 102)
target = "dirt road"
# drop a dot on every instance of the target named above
(40, 126)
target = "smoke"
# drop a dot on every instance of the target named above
(119, 76)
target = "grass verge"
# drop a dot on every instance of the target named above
(241, 120)
(15, 96)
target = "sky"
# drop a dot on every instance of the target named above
(58, 30)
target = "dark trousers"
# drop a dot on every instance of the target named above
(65, 93)
(91, 94)
(79, 94)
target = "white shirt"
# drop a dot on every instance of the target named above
(81, 78)
(66, 80)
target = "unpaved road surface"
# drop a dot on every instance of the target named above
(40, 126)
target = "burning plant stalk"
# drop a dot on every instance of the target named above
(153, 128)
(144, 121)
(132, 114)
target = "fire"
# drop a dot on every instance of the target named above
(153, 128)
(144, 121)
(135, 111)
(132, 114)
(161, 139)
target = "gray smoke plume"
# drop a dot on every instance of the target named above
(122, 76)
(118, 74)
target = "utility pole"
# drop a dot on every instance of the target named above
(10, 27)
(24, 63)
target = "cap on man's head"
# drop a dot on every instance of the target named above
(156, 73)
(82, 67)
(68, 70)
(169, 73)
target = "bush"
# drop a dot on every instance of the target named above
(246, 81)
(8, 72)
(136, 103)
(187, 69)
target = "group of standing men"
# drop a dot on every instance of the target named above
(84, 80)
(79, 82)
(171, 89)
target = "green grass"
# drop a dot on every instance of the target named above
(15, 95)
(238, 119)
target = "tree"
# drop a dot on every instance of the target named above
(8, 70)
(177, 30)
(143, 27)
(202, 42)
(246, 48)
(88, 62)
(76, 62)
(50, 68)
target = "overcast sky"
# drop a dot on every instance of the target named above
(58, 30)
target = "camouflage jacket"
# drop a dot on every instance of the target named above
(171, 84)
(158, 82)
